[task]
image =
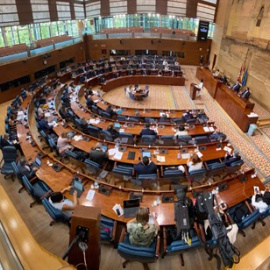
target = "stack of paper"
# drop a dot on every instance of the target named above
(211, 129)
(160, 158)
(90, 195)
(206, 129)
(77, 138)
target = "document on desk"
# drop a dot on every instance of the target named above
(121, 130)
(161, 159)
(112, 151)
(118, 155)
(90, 195)
(47, 114)
(211, 129)
(199, 154)
(186, 156)
(227, 149)
(206, 129)
(94, 121)
(77, 138)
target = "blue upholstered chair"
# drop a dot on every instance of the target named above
(233, 168)
(197, 176)
(106, 135)
(93, 131)
(92, 166)
(37, 189)
(215, 169)
(9, 156)
(126, 138)
(123, 169)
(179, 246)
(167, 139)
(149, 139)
(201, 139)
(56, 214)
(132, 253)
(108, 229)
(247, 220)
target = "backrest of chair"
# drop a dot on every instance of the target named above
(93, 131)
(125, 135)
(173, 173)
(72, 154)
(92, 166)
(166, 137)
(148, 139)
(198, 175)
(106, 135)
(27, 185)
(121, 118)
(54, 213)
(237, 163)
(16, 171)
(123, 171)
(105, 114)
(201, 139)
(9, 153)
(147, 176)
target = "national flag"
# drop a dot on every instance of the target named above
(244, 80)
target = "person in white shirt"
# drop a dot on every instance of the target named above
(194, 163)
(180, 132)
(257, 201)
(200, 87)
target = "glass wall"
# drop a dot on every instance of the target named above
(147, 21)
(12, 35)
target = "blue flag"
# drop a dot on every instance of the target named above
(244, 80)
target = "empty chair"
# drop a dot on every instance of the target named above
(243, 217)
(133, 119)
(183, 140)
(95, 109)
(56, 214)
(178, 121)
(197, 176)
(9, 156)
(106, 135)
(105, 114)
(92, 166)
(126, 138)
(107, 229)
(201, 139)
(121, 118)
(18, 175)
(38, 189)
(132, 253)
(123, 169)
(233, 168)
(167, 139)
(215, 169)
(93, 131)
(149, 139)
(149, 120)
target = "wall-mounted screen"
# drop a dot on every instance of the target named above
(203, 31)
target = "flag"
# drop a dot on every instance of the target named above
(244, 80)
(239, 75)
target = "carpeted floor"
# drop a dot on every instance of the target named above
(254, 150)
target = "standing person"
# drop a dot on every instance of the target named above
(200, 87)
(141, 233)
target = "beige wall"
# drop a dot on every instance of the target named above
(246, 44)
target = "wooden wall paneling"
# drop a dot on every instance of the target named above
(24, 9)
(161, 7)
(191, 49)
(53, 10)
(105, 8)
(131, 7)
(31, 65)
(192, 8)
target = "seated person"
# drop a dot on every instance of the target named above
(58, 201)
(246, 93)
(113, 131)
(83, 124)
(141, 233)
(44, 124)
(180, 132)
(194, 163)
(110, 111)
(6, 141)
(216, 73)
(98, 155)
(40, 112)
(26, 169)
(89, 102)
(236, 87)
(146, 166)
(224, 79)
(147, 130)
(63, 143)
(258, 202)
(229, 159)
(12, 121)
(187, 116)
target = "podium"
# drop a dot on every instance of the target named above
(193, 90)
(85, 220)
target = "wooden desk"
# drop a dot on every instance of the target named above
(193, 91)
(236, 107)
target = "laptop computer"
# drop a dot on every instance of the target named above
(37, 162)
(131, 207)
(78, 186)
(146, 154)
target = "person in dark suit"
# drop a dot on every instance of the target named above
(110, 111)
(26, 169)
(44, 125)
(146, 166)
(98, 155)
(245, 94)
(229, 159)
(6, 141)
(113, 131)
(236, 87)
(147, 131)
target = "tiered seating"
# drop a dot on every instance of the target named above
(52, 40)
(18, 48)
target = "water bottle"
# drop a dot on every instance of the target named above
(158, 200)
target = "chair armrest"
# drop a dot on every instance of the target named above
(205, 165)
(46, 194)
(164, 239)
(158, 174)
(161, 171)
(33, 179)
(122, 236)
(114, 230)
(157, 245)
(115, 164)
(105, 165)
(201, 233)
(250, 208)
(229, 218)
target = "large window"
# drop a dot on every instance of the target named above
(45, 30)
(24, 34)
